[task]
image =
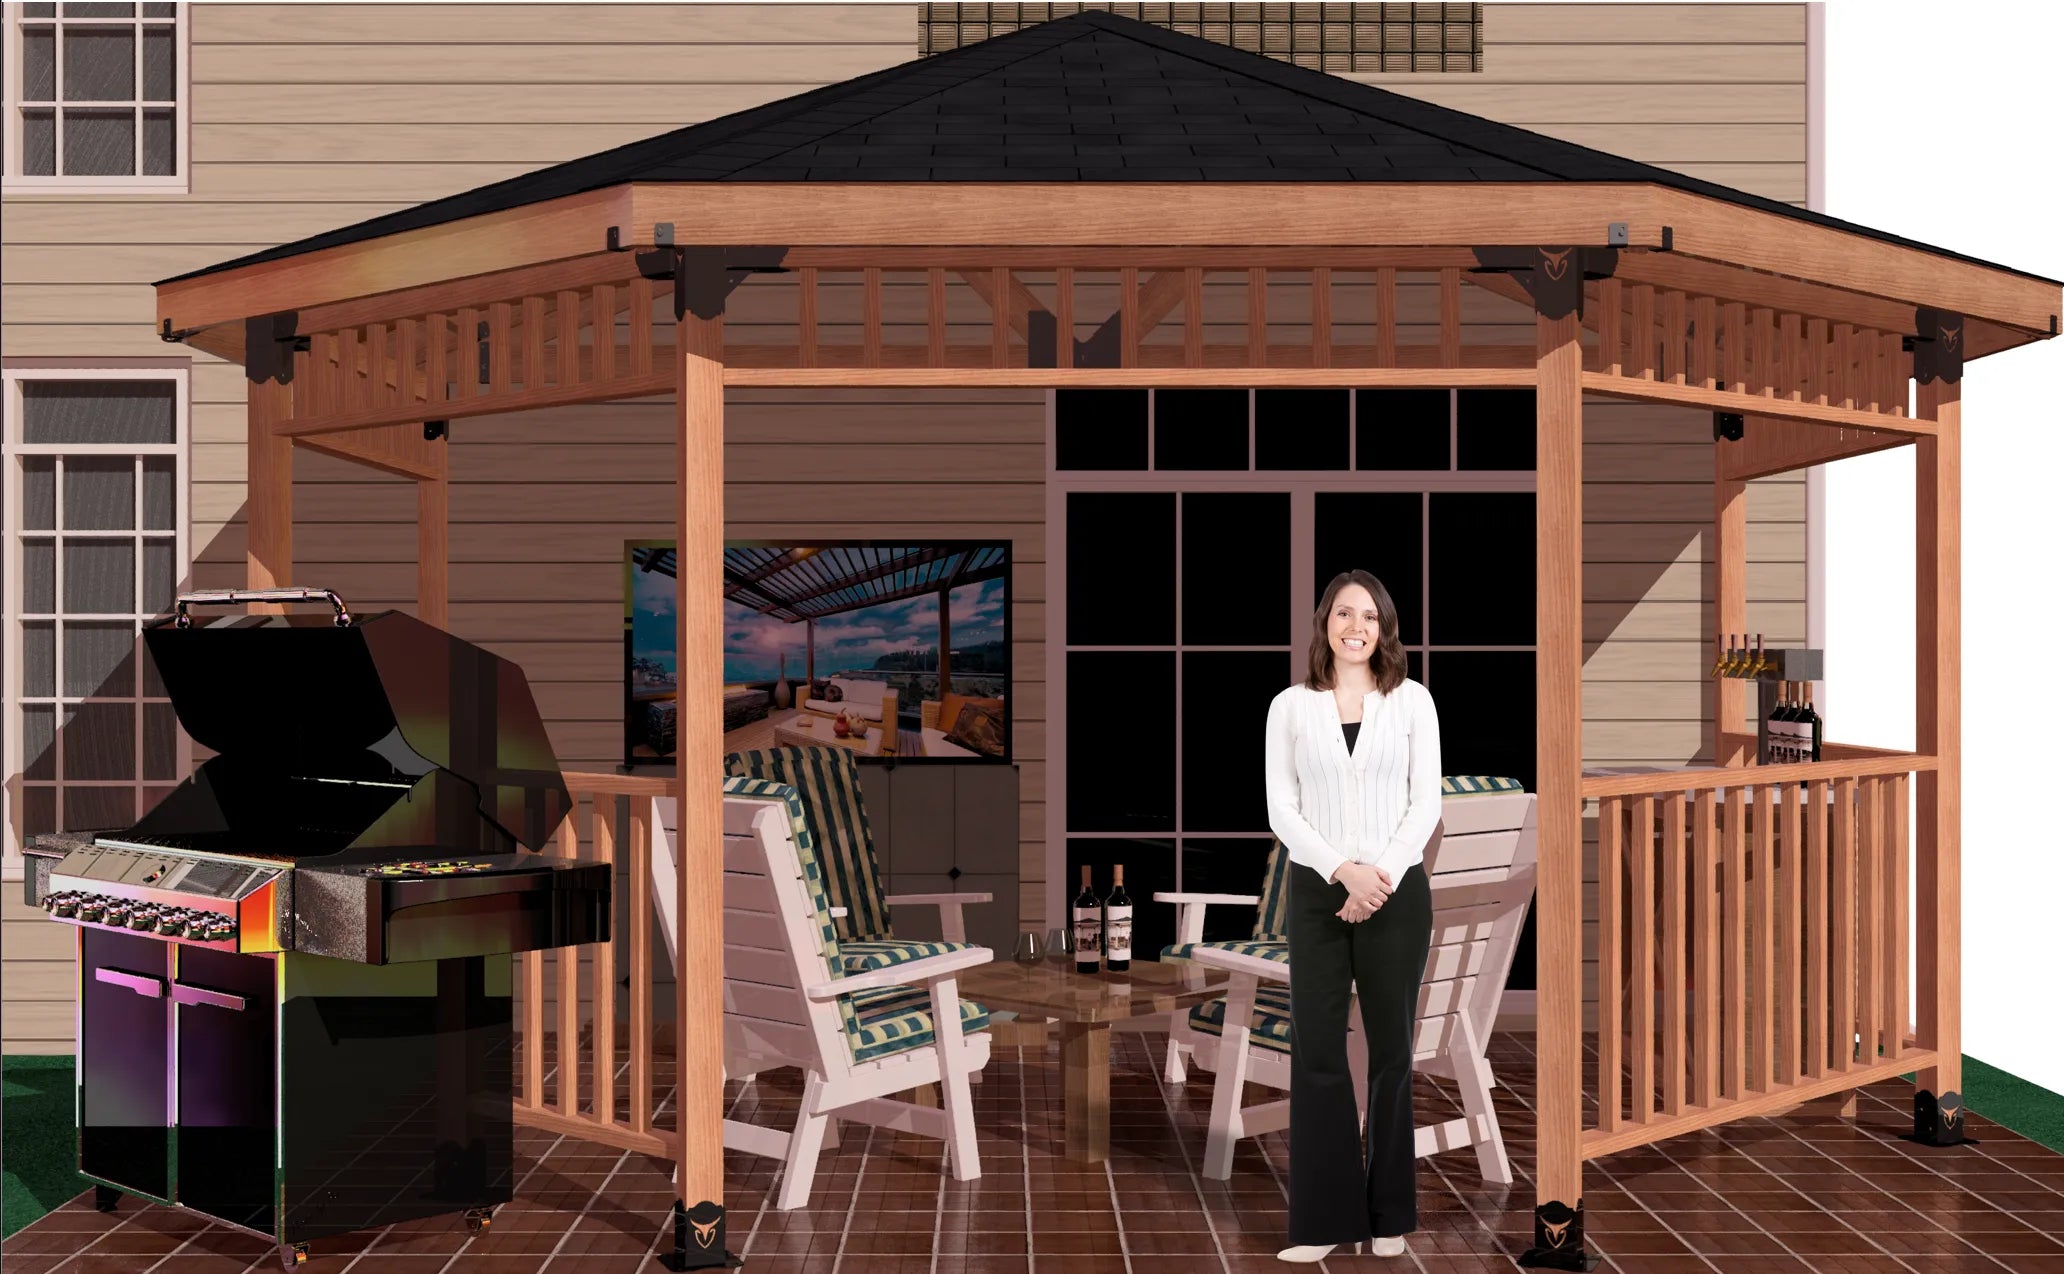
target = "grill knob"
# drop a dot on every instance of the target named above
(143, 917)
(171, 921)
(65, 905)
(196, 926)
(92, 907)
(117, 912)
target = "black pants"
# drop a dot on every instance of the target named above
(1338, 1194)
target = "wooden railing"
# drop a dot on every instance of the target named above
(1752, 947)
(611, 810)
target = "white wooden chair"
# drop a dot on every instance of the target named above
(857, 1037)
(1480, 865)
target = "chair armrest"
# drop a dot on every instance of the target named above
(1233, 962)
(941, 900)
(836, 912)
(917, 972)
(1229, 900)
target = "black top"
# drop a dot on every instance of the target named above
(1350, 729)
(1090, 97)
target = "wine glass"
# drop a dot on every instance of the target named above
(1027, 951)
(1060, 943)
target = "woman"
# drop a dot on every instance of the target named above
(1354, 795)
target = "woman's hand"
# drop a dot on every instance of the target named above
(1354, 913)
(1367, 887)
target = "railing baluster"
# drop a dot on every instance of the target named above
(1611, 811)
(1842, 890)
(567, 959)
(1641, 1026)
(1870, 944)
(604, 968)
(1705, 927)
(534, 1029)
(1674, 940)
(1819, 810)
(1787, 947)
(1896, 857)
(644, 817)
(1734, 861)
(1762, 941)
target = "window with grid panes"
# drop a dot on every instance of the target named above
(96, 515)
(95, 96)
(1324, 37)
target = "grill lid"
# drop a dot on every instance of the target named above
(386, 700)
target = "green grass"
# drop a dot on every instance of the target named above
(2012, 1102)
(38, 1168)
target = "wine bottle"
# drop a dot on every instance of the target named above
(1812, 721)
(1783, 743)
(1089, 936)
(1118, 924)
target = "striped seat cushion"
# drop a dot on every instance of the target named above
(859, 957)
(896, 1019)
(1477, 785)
(1269, 1027)
(828, 781)
(1272, 917)
(813, 875)
(1277, 949)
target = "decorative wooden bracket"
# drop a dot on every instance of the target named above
(1553, 277)
(269, 347)
(1938, 350)
(704, 277)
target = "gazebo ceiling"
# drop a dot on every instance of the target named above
(1101, 131)
(796, 584)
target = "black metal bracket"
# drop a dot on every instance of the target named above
(703, 276)
(270, 345)
(1727, 425)
(1938, 347)
(170, 337)
(1558, 1239)
(1939, 1121)
(480, 339)
(436, 430)
(1553, 277)
(699, 1239)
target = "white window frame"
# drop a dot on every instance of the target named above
(179, 182)
(12, 451)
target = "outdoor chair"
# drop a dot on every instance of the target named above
(858, 1037)
(1480, 865)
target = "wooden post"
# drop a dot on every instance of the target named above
(1938, 878)
(809, 652)
(433, 548)
(269, 490)
(1731, 589)
(699, 883)
(1559, 671)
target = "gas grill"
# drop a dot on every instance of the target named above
(294, 994)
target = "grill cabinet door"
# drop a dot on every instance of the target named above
(125, 1028)
(227, 1109)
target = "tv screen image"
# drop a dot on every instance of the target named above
(893, 650)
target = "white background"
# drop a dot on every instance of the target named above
(1944, 124)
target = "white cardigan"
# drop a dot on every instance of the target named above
(1376, 805)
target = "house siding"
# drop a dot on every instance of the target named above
(307, 118)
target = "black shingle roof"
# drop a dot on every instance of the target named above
(1091, 97)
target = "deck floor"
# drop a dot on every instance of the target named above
(1807, 1191)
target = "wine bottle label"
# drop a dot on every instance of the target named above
(1088, 935)
(1118, 933)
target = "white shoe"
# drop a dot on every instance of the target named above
(1310, 1253)
(1390, 1247)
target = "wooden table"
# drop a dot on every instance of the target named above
(1088, 1006)
(813, 730)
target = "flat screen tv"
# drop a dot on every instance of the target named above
(897, 650)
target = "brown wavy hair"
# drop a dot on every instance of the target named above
(1389, 661)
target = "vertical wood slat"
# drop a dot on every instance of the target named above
(871, 315)
(604, 968)
(1842, 967)
(1641, 1021)
(534, 1029)
(566, 339)
(405, 352)
(379, 393)
(1893, 827)
(1814, 373)
(567, 1055)
(533, 342)
(643, 818)
(465, 355)
(640, 302)
(1386, 316)
(1734, 338)
(1787, 946)
(1257, 316)
(1791, 358)
(1610, 359)
(1763, 353)
(999, 319)
(1673, 953)
(1705, 928)
(806, 317)
(1451, 316)
(602, 305)
(1705, 345)
(498, 346)
(1762, 940)
(1673, 337)
(1844, 388)
(1896, 394)
(1193, 317)
(436, 379)
(1817, 966)
(1611, 815)
(935, 317)
(1064, 317)
(349, 378)
(1322, 316)
(1734, 853)
(1870, 942)
(1641, 343)
(1871, 396)
(1128, 316)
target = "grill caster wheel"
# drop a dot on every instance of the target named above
(105, 1198)
(293, 1255)
(478, 1219)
